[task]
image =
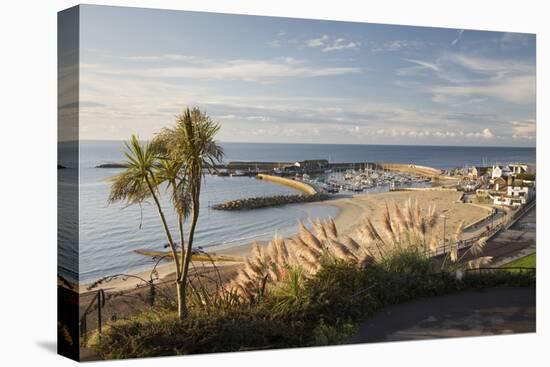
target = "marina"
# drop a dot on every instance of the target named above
(335, 178)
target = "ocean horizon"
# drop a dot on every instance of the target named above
(437, 156)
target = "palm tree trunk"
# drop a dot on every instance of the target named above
(181, 281)
(180, 228)
(164, 224)
(182, 301)
(188, 252)
(170, 240)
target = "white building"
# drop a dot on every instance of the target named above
(496, 172)
(518, 168)
(516, 195)
(500, 171)
(478, 172)
(523, 193)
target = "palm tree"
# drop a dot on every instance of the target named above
(139, 181)
(191, 142)
(178, 157)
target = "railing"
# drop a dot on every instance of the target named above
(506, 222)
(99, 302)
(515, 268)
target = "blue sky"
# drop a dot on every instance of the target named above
(269, 79)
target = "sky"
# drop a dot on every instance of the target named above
(267, 79)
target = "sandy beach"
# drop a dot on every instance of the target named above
(352, 210)
(355, 208)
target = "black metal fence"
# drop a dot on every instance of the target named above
(507, 221)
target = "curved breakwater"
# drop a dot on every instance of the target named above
(298, 185)
(313, 195)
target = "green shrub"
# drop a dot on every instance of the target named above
(288, 299)
(526, 176)
(409, 261)
(332, 292)
(145, 336)
(325, 334)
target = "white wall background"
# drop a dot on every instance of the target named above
(28, 179)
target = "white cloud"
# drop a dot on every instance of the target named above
(142, 106)
(494, 68)
(458, 37)
(164, 57)
(317, 42)
(327, 45)
(341, 44)
(398, 45)
(524, 129)
(485, 134)
(465, 79)
(419, 68)
(424, 64)
(142, 99)
(520, 90)
(247, 70)
(446, 135)
(258, 118)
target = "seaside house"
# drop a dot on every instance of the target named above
(479, 172)
(500, 171)
(496, 172)
(518, 168)
(522, 168)
(521, 193)
(499, 184)
(514, 193)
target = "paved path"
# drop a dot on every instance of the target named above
(492, 311)
(479, 229)
(517, 241)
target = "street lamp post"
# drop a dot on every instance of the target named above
(444, 225)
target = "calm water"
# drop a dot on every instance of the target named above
(433, 156)
(108, 234)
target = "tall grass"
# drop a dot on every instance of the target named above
(403, 242)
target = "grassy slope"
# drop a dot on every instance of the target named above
(529, 261)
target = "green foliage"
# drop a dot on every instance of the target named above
(526, 176)
(529, 261)
(332, 292)
(408, 261)
(325, 334)
(149, 335)
(500, 278)
(288, 298)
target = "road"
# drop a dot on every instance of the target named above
(496, 219)
(517, 241)
(494, 311)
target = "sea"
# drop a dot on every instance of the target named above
(109, 234)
